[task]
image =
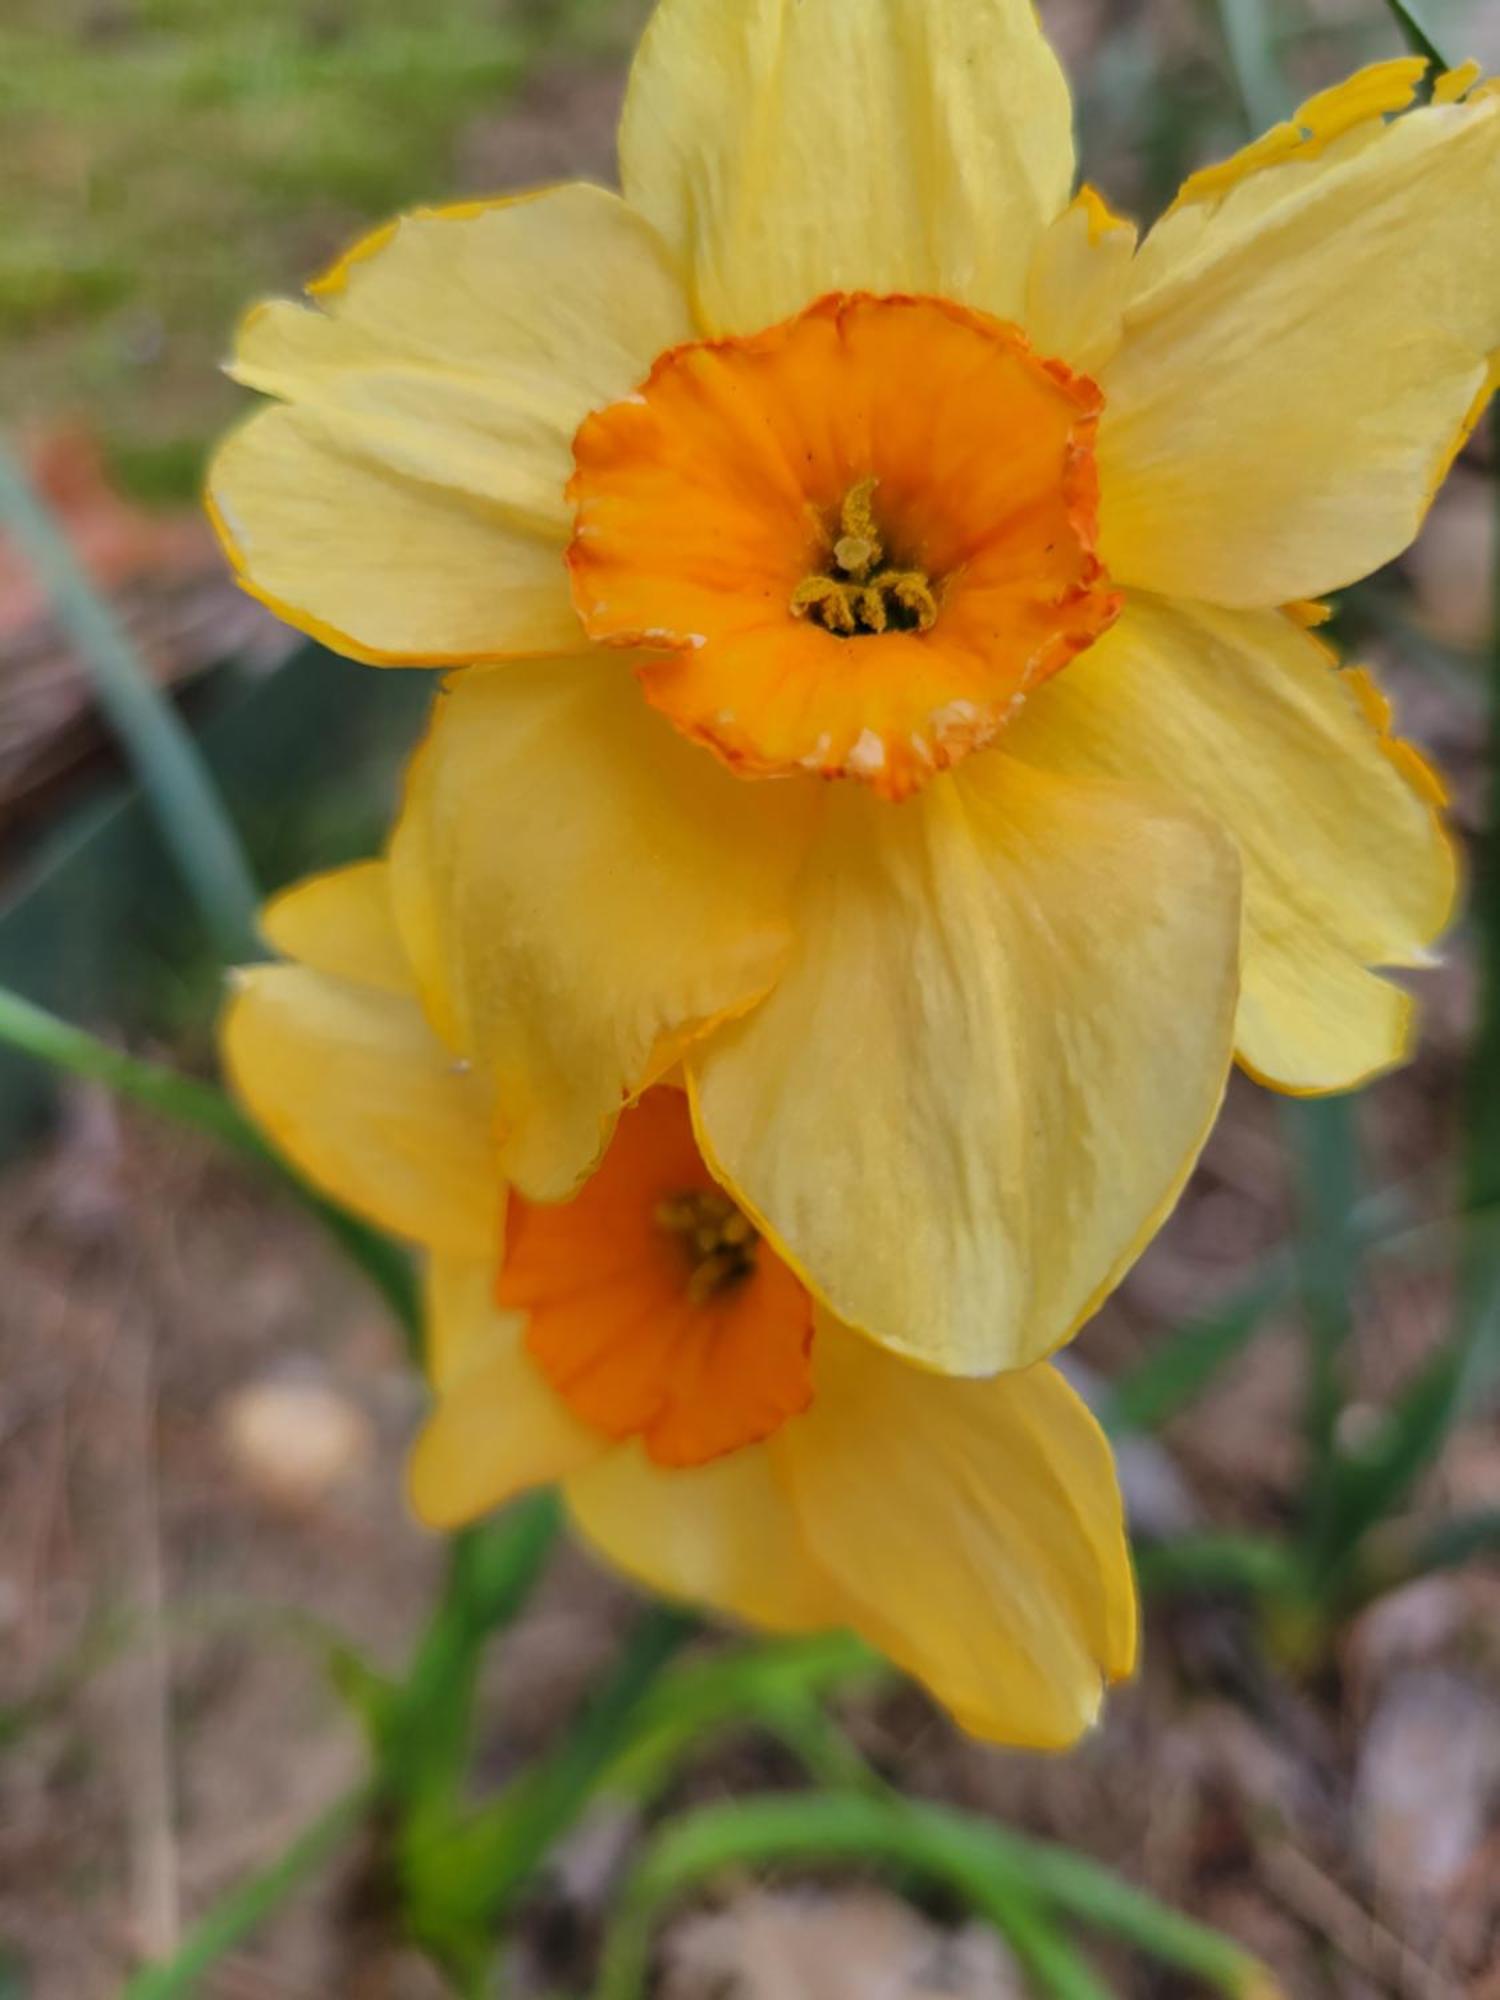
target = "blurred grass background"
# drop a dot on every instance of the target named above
(164, 162)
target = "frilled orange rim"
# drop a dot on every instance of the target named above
(655, 1310)
(856, 540)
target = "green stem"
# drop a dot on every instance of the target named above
(980, 1863)
(199, 1105)
(173, 778)
(492, 1570)
(233, 1919)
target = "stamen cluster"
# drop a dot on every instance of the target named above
(862, 596)
(719, 1240)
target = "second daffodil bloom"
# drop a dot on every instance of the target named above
(716, 1434)
(880, 592)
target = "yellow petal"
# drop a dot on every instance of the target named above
(846, 145)
(722, 1534)
(985, 1074)
(579, 890)
(1300, 358)
(1077, 286)
(1245, 715)
(354, 1088)
(498, 1428)
(341, 923)
(978, 1528)
(406, 500)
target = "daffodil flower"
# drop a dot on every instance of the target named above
(716, 1434)
(882, 597)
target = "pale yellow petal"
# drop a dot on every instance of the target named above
(354, 1088)
(978, 1528)
(785, 151)
(580, 889)
(723, 1534)
(1078, 284)
(1300, 357)
(386, 567)
(497, 1427)
(1245, 715)
(985, 1074)
(341, 923)
(406, 502)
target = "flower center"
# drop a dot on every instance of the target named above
(900, 471)
(718, 1239)
(653, 1307)
(859, 592)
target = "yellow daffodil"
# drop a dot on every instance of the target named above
(847, 446)
(716, 1434)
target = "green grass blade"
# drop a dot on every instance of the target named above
(1409, 18)
(1246, 26)
(193, 822)
(1053, 1965)
(1182, 1363)
(986, 1866)
(204, 1109)
(241, 1912)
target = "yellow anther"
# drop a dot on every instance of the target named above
(910, 590)
(827, 601)
(861, 597)
(719, 1239)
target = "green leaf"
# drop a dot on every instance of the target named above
(752, 1686)
(242, 1912)
(462, 1871)
(1181, 1365)
(1246, 26)
(1409, 17)
(193, 822)
(1001, 1875)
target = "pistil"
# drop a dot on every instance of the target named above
(860, 595)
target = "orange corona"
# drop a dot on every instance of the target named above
(655, 1310)
(855, 542)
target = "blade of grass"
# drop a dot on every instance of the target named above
(1246, 26)
(194, 824)
(1181, 1366)
(973, 1859)
(241, 1912)
(1409, 18)
(203, 1108)
(1052, 1964)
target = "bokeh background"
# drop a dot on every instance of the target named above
(202, 1412)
